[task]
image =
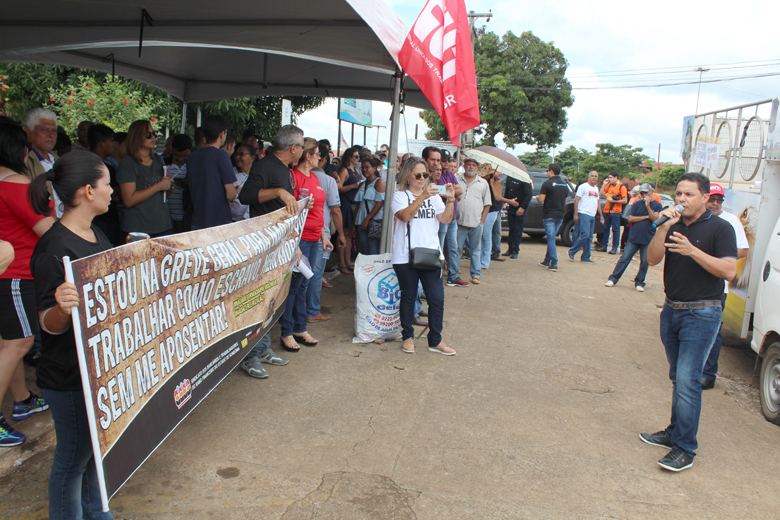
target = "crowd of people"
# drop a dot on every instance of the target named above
(111, 184)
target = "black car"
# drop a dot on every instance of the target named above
(533, 225)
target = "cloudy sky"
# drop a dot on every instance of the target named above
(611, 44)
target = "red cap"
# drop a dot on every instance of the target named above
(717, 189)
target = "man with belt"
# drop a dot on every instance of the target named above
(701, 252)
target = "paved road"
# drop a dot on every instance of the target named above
(536, 417)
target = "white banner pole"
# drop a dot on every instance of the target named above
(87, 392)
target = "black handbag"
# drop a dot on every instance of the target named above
(422, 258)
(374, 226)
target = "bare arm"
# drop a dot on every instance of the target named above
(230, 192)
(485, 211)
(408, 213)
(742, 253)
(43, 225)
(336, 218)
(6, 255)
(56, 320)
(131, 197)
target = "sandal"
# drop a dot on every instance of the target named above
(443, 350)
(306, 338)
(345, 270)
(290, 348)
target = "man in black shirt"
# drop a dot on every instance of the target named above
(701, 252)
(553, 197)
(268, 188)
(518, 197)
(269, 185)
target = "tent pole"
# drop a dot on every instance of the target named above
(392, 160)
(352, 136)
(183, 117)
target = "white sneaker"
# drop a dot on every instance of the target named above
(609, 283)
(639, 288)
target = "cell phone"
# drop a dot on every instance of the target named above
(441, 189)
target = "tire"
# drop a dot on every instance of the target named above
(769, 387)
(536, 236)
(566, 231)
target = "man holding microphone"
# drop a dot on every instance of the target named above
(701, 252)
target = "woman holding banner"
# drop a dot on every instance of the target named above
(293, 321)
(82, 183)
(20, 226)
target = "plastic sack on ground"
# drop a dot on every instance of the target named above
(378, 299)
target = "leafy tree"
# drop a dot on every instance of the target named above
(31, 85)
(109, 102)
(624, 159)
(534, 159)
(669, 175)
(436, 130)
(523, 92)
(571, 160)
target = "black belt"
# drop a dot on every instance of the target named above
(692, 305)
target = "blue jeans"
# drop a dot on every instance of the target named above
(74, 492)
(711, 366)
(448, 240)
(551, 227)
(293, 320)
(314, 290)
(583, 235)
(366, 246)
(261, 346)
(625, 259)
(515, 228)
(688, 335)
(611, 223)
(408, 280)
(487, 239)
(496, 245)
(474, 235)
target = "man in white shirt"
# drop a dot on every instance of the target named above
(715, 205)
(586, 205)
(41, 127)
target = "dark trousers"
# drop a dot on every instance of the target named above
(408, 279)
(515, 229)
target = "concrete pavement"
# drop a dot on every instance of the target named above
(537, 416)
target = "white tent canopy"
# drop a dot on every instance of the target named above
(199, 51)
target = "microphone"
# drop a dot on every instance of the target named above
(663, 218)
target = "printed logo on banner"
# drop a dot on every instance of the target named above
(182, 393)
(385, 286)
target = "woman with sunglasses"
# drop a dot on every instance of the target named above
(244, 158)
(142, 183)
(418, 212)
(349, 183)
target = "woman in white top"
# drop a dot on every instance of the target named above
(416, 203)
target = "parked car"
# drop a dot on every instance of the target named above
(533, 225)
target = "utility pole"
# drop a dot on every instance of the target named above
(468, 138)
(700, 70)
(377, 134)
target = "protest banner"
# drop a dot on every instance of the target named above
(162, 322)
(707, 151)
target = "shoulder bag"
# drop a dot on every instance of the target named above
(422, 258)
(374, 226)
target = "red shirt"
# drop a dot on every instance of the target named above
(16, 221)
(312, 230)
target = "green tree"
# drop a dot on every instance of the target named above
(523, 91)
(436, 130)
(624, 159)
(571, 160)
(669, 175)
(535, 159)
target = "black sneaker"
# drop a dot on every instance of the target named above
(508, 253)
(553, 268)
(707, 384)
(544, 264)
(513, 256)
(600, 248)
(676, 460)
(660, 439)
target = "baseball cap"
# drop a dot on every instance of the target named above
(645, 187)
(717, 189)
(445, 155)
(471, 159)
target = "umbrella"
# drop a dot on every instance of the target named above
(503, 162)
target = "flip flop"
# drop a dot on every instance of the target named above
(296, 348)
(345, 270)
(301, 338)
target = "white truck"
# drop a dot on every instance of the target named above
(739, 148)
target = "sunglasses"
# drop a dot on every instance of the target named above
(151, 134)
(419, 176)
(716, 199)
(356, 156)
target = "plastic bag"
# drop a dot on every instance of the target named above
(378, 299)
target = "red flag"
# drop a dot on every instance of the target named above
(437, 55)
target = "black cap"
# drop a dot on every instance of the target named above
(445, 155)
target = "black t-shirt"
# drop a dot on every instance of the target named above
(58, 367)
(266, 174)
(208, 171)
(684, 279)
(556, 191)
